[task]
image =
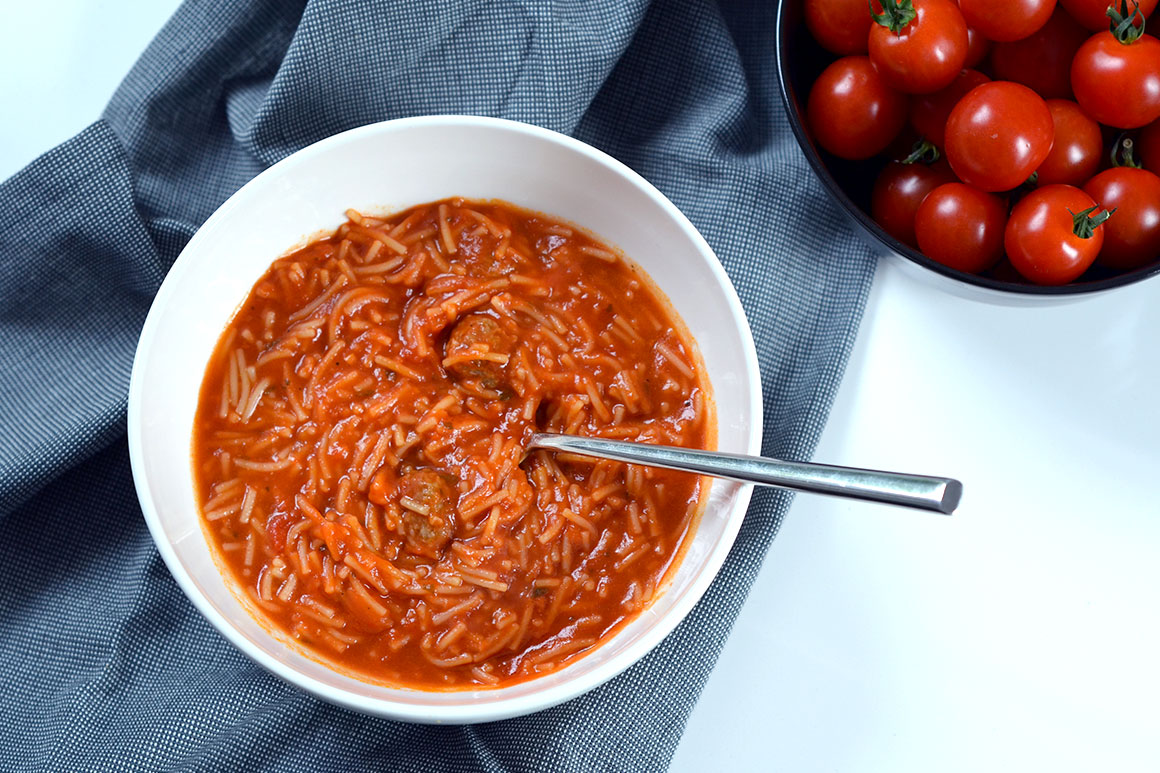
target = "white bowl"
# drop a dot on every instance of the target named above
(391, 166)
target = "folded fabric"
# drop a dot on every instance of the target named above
(108, 666)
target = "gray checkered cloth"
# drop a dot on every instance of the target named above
(106, 665)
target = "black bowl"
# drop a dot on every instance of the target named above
(799, 62)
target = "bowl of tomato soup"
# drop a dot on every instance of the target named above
(334, 386)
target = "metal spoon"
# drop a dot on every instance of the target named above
(940, 495)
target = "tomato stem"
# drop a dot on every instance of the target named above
(896, 14)
(1084, 222)
(1123, 24)
(1122, 153)
(923, 151)
(1025, 187)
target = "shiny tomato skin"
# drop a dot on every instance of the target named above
(977, 46)
(1132, 233)
(977, 49)
(1078, 149)
(1118, 84)
(1092, 15)
(928, 52)
(961, 227)
(1040, 240)
(840, 26)
(929, 112)
(997, 135)
(1148, 147)
(1042, 62)
(898, 192)
(851, 111)
(1005, 20)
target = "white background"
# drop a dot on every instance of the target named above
(1023, 633)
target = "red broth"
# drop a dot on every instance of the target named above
(358, 445)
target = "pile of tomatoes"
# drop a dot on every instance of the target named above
(1014, 128)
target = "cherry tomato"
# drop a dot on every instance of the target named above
(961, 227)
(1054, 234)
(997, 135)
(1042, 61)
(1132, 234)
(851, 111)
(898, 192)
(977, 46)
(840, 26)
(919, 46)
(977, 49)
(929, 112)
(1148, 147)
(1118, 83)
(1004, 20)
(1093, 14)
(1078, 148)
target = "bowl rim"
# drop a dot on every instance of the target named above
(464, 712)
(790, 102)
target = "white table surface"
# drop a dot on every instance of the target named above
(1021, 634)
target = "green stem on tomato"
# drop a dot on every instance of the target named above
(1023, 188)
(1084, 222)
(1122, 153)
(1123, 24)
(896, 14)
(923, 151)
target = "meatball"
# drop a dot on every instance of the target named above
(428, 502)
(478, 349)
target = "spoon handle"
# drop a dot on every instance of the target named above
(940, 495)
